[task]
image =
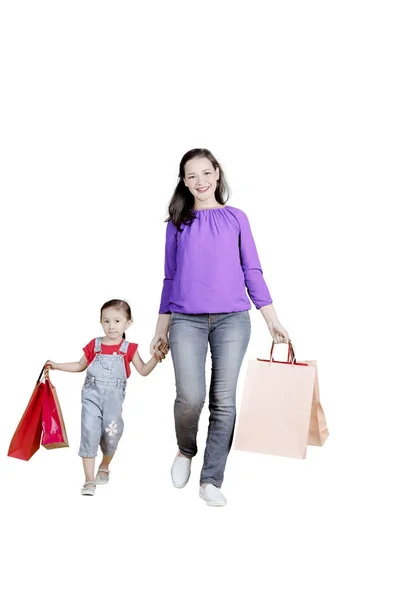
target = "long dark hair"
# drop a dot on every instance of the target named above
(119, 305)
(180, 208)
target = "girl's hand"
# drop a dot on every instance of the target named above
(161, 351)
(279, 333)
(50, 365)
(158, 339)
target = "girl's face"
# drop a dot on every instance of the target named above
(114, 323)
(201, 179)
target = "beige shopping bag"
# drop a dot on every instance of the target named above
(281, 410)
(318, 428)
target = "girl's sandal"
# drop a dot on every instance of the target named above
(89, 488)
(103, 476)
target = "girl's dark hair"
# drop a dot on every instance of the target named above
(119, 305)
(180, 208)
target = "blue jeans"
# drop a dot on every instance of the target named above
(189, 335)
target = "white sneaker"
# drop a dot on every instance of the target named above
(212, 495)
(180, 471)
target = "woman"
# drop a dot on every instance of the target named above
(210, 260)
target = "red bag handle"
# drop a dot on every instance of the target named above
(291, 354)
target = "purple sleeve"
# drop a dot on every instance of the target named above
(253, 275)
(169, 267)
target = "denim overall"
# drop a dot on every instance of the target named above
(103, 394)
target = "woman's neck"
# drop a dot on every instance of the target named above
(211, 203)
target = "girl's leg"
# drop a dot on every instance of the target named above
(105, 463)
(188, 340)
(229, 338)
(103, 472)
(88, 467)
(91, 424)
(90, 433)
(112, 429)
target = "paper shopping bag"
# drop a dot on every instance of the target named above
(54, 434)
(280, 411)
(318, 432)
(26, 439)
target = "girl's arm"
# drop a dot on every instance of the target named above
(146, 368)
(72, 367)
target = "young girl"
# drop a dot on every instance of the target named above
(107, 360)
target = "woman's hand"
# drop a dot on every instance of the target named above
(279, 333)
(160, 339)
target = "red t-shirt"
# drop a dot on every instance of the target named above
(89, 352)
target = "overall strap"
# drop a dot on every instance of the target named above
(124, 347)
(97, 346)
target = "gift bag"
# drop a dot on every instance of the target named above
(41, 423)
(281, 410)
(26, 439)
(54, 434)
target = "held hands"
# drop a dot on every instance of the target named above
(159, 345)
(161, 351)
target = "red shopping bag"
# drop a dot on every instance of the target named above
(26, 439)
(53, 427)
(41, 423)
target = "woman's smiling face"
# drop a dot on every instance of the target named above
(201, 179)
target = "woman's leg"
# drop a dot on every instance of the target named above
(229, 338)
(188, 340)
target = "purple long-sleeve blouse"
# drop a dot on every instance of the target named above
(210, 263)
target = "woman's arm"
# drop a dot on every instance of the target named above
(279, 333)
(161, 334)
(169, 266)
(72, 367)
(251, 266)
(255, 283)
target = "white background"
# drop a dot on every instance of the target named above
(299, 101)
